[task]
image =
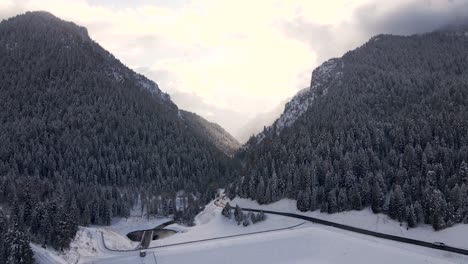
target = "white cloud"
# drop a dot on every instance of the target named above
(4, 4)
(243, 53)
(244, 56)
(246, 60)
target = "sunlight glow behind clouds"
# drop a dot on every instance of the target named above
(4, 4)
(242, 56)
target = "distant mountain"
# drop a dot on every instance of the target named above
(383, 126)
(212, 132)
(458, 27)
(83, 136)
(256, 125)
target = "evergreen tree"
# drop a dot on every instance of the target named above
(45, 229)
(418, 211)
(261, 191)
(332, 202)
(437, 220)
(17, 246)
(437, 209)
(3, 257)
(268, 197)
(397, 204)
(28, 204)
(253, 217)
(356, 200)
(251, 188)
(464, 171)
(377, 195)
(342, 200)
(86, 216)
(246, 221)
(261, 216)
(313, 199)
(3, 230)
(410, 216)
(303, 201)
(227, 210)
(238, 215)
(274, 187)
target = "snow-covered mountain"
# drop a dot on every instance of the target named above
(75, 122)
(384, 126)
(212, 132)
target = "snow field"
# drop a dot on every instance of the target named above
(455, 236)
(308, 243)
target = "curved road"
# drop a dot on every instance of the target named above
(359, 230)
(307, 218)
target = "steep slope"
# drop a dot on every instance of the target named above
(383, 126)
(211, 132)
(89, 135)
(322, 77)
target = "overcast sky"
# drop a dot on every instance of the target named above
(229, 60)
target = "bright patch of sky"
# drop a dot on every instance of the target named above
(231, 60)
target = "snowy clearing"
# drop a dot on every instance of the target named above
(455, 236)
(211, 224)
(308, 243)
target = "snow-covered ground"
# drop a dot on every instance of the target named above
(455, 236)
(211, 224)
(307, 243)
(46, 256)
(88, 243)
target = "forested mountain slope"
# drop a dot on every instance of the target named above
(82, 136)
(384, 126)
(212, 132)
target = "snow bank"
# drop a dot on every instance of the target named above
(84, 244)
(210, 224)
(308, 243)
(311, 245)
(88, 244)
(45, 256)
(117, 241)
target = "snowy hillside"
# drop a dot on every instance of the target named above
(211, 132)
(151, 86)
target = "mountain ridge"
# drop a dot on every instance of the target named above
(387, 130)
(212, 132)
(85, 138)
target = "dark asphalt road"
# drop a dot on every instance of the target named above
(365, 232)
(310, 219)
